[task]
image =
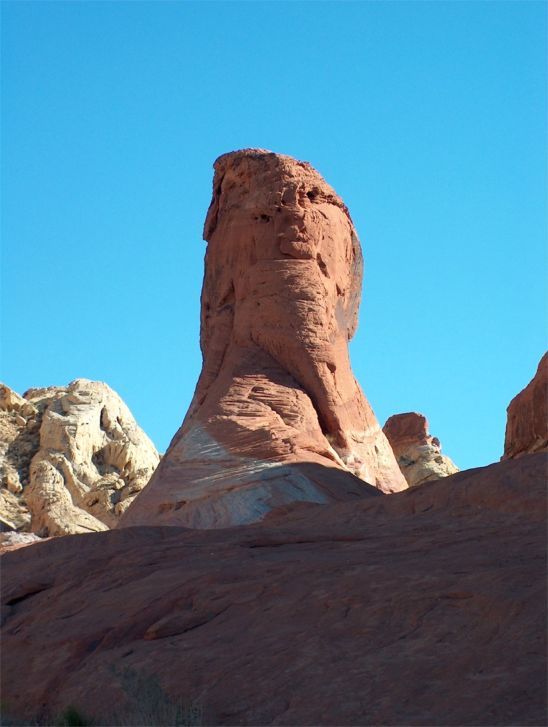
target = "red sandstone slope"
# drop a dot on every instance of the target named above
(422, 608)
(527, 421)
(280, 299)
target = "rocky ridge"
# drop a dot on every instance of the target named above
(72, 458)
(279, 304)
(418, 453)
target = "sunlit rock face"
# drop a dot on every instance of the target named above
(72, 458)
(283, 273)
(418, 453)
(527, 420)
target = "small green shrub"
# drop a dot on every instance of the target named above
(71, 718)
(148, 704)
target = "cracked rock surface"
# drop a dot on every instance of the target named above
(282, 286)
(72, 458)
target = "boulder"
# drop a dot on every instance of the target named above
(282, 285)
(72, 458)
(527, 416)
(418, 454)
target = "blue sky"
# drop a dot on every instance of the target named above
(428, 118)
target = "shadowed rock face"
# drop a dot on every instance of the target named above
(418, 453)
(424, 608)
(527, 421)
(283, 274)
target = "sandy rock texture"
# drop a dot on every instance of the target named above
(424, 608)
(283, 273)
(527, 416)
(418, 453)
(19, 441)
(72, 458)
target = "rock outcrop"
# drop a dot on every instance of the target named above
(527, 417)
(19, 442)
(71, 458)
(418, 454)
(424, 608)
(280, 298)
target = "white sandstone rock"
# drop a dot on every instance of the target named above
(71, 458)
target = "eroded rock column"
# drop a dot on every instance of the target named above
(282, 285)
(418, 453)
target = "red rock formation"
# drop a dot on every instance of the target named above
(418, 454)
(280, 299)
(527, 416)
(424, 608)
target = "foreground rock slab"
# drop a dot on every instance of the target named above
(424, 608)
(418, 453)
(527, 417)
(282, 286)
(72, 458)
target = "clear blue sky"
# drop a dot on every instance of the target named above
(428, 118)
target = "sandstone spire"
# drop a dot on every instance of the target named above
(282, 285)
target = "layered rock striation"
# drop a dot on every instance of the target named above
(72, 458)
(283, 273)
(527, 417)
(418, 453)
